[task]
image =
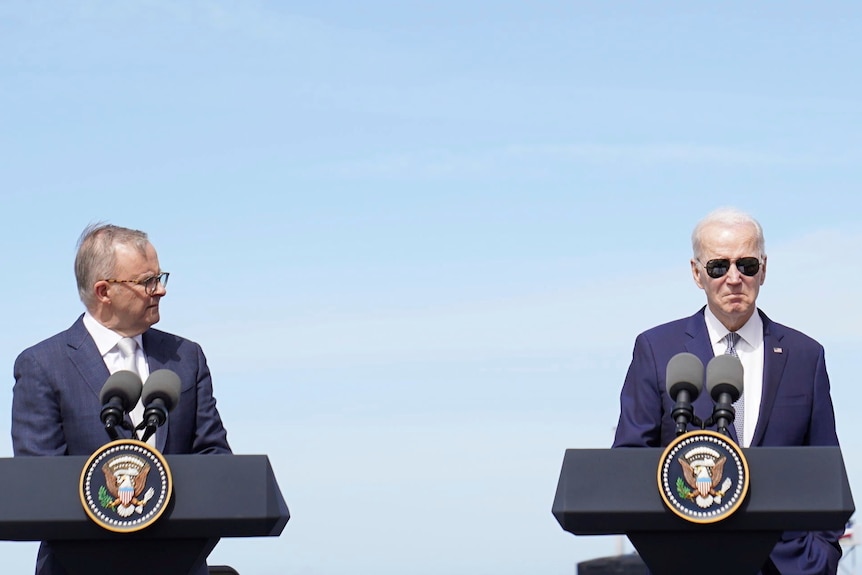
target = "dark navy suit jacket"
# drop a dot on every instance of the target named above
(795, 410)
(55, 403)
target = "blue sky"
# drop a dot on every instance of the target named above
(417, 239)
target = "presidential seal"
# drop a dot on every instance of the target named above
(125, 486)
(703, 476)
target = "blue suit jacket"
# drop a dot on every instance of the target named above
(795, 410)
(56, 406)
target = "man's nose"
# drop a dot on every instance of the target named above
(733, 274)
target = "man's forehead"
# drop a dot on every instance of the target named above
(133, 250)
(131, 256)
(732, 238)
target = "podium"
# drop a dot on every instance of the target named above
(615, 491)
(214, 496)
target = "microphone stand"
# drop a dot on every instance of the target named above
(722, 417)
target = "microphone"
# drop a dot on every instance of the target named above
(119, 395)
(161, 394)
(724, 382)
(684, 380)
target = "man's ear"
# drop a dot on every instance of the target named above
(695, 273)
(100, 288)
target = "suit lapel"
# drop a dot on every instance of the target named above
(86, 357)
(87, 360)
(773, 369)
(155, 362)
(699, 343)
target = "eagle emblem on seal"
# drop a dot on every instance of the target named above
(703, 469)
(125, 481)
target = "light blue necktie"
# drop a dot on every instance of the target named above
(128, 346)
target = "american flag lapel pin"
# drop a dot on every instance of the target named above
(777, 350)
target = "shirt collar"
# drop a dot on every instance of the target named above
(106, 339)
(751, 332)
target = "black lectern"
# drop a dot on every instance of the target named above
(612, 491)
(214, 496)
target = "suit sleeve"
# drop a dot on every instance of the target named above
(805, 553)
(641, 408)
(816, 552)
(209, 435)
(37, 426)
(822, 431)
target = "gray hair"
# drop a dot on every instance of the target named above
(96, 257)
(727, 217)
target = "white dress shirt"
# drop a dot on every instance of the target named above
(749, 349)
(106, 342)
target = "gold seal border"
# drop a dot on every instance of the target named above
(168, 480)
(731, 446)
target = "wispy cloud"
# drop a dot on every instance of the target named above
(598, 317)
(542, 160)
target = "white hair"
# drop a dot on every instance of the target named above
(726, 217)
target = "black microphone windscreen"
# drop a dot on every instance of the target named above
(125, 385)
(724, 375)
(684, 372)
(162, 384)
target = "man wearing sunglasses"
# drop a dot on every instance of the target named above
(786, 399)
(56, 405)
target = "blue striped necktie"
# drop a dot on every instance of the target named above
(739, 404)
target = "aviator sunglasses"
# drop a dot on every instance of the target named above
(717, 268)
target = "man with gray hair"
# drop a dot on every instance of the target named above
(786, 398)
(56, 404)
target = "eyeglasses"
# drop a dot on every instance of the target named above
(717, 268)
(150, 284)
